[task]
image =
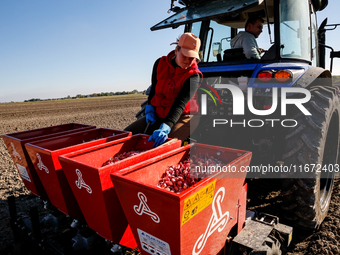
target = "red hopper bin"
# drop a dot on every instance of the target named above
(44, 156)
(195, 221)
(93, 188)
(15, 143)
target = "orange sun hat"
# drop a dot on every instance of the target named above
(190, 45)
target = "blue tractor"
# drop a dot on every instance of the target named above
(288, 113)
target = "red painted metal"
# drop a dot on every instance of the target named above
(93, 188)
(242, 209)
(196, 221)
(44, 156)
(15, 143)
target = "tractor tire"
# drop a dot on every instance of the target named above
(315, 140)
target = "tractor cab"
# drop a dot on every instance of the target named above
(289, 31)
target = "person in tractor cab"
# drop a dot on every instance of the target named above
(172, 102)
(247, 39)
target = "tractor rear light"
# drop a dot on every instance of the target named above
(283, 75)
(265, 76)
(278, 75)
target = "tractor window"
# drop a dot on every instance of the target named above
(195, 28)
(219, 37)
(218, 40)
(295, 29)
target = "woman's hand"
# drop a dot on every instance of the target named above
(150, 114)
(160, 135)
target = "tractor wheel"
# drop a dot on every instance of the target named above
(315, 140)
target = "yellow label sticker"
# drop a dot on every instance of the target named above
(198, 201)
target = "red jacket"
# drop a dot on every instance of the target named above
(170, 80)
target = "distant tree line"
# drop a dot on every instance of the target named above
(336, 80)
(135, 91)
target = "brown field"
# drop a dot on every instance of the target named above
(117, 112)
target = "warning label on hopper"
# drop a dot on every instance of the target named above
(198, 201)
(152, 244)
(23, 172)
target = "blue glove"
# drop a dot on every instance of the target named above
(160, 135)
(150, 114)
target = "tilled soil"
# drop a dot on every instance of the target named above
(263, 195)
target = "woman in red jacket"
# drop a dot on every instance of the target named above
(172, 101)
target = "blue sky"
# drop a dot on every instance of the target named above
(51, 49)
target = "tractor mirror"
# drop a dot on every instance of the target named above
(217, 48)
